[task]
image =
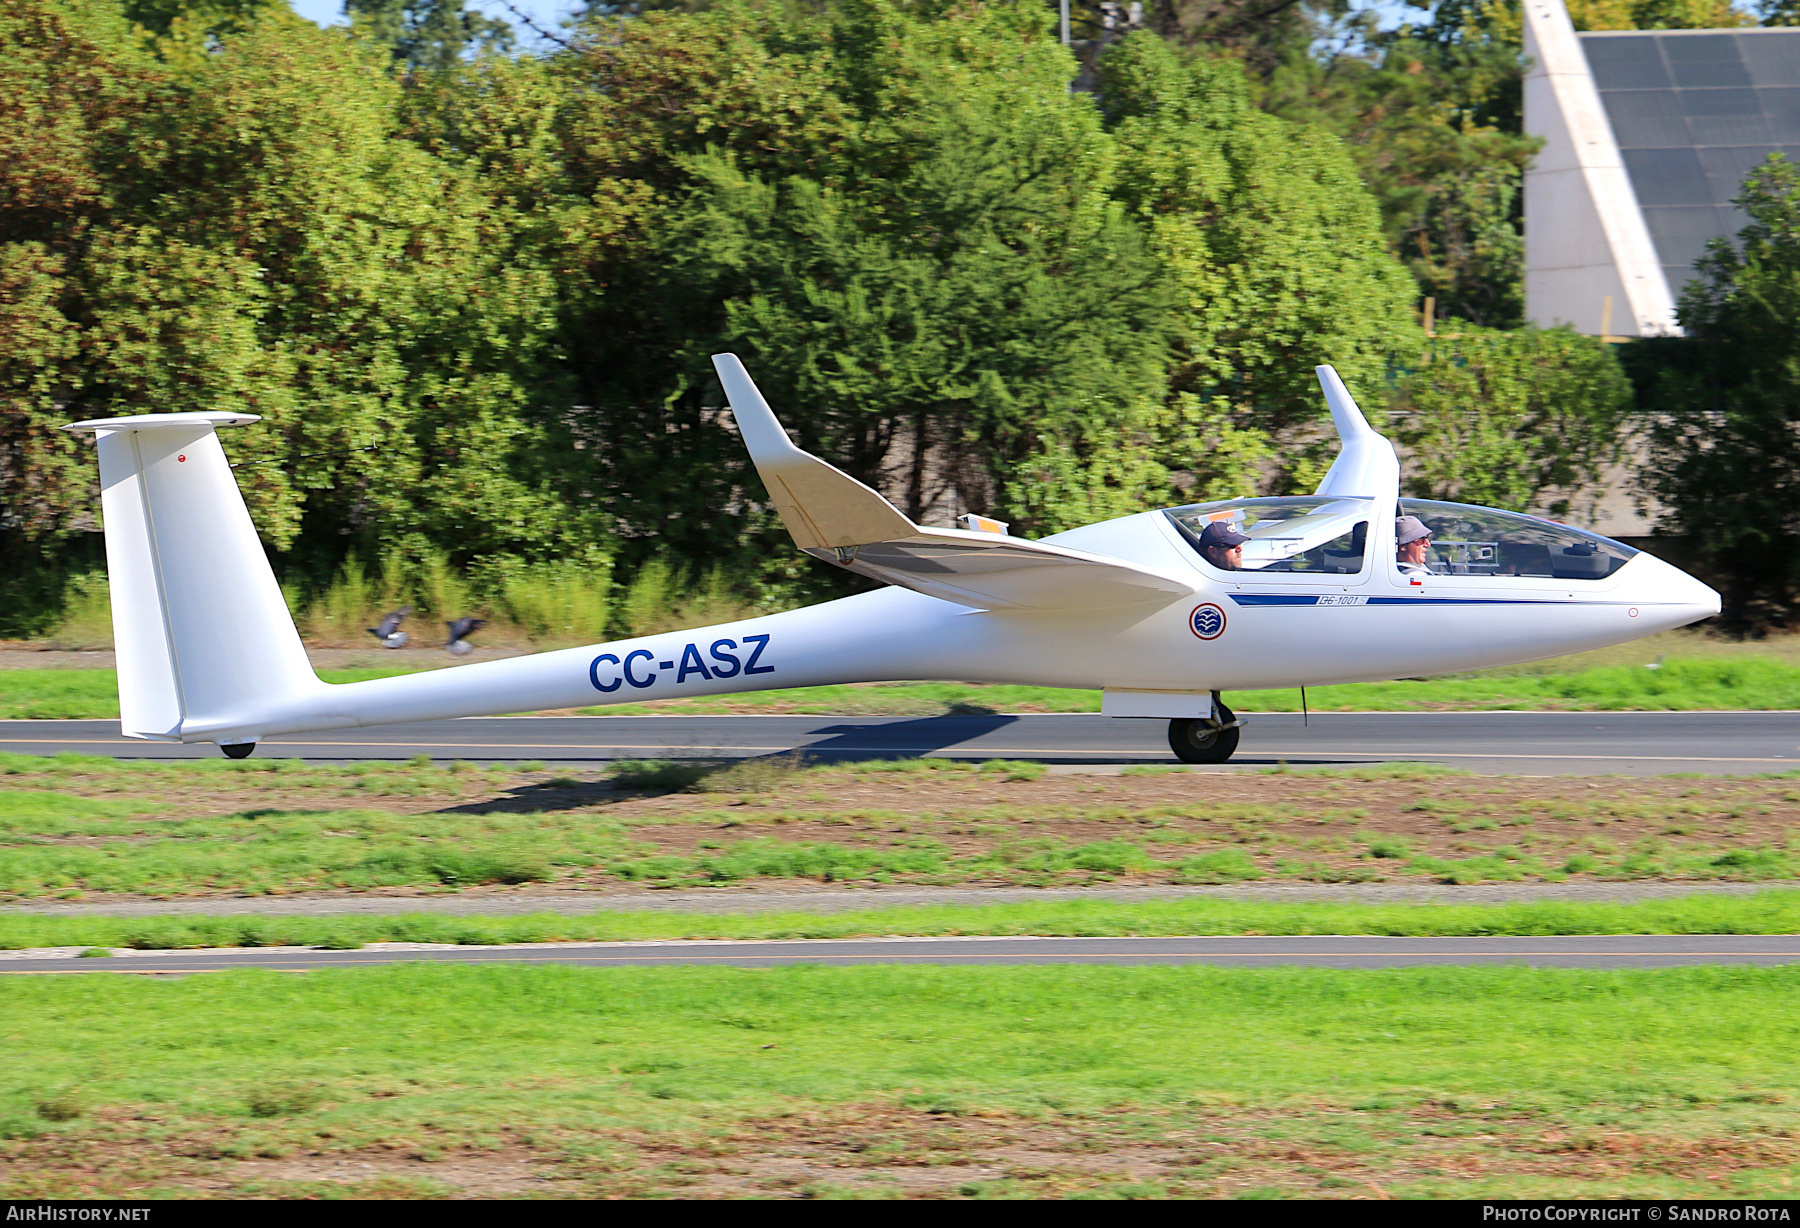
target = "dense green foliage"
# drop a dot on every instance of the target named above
(473, 294)
(1726, 439)
(253, 234)
(1521, 418)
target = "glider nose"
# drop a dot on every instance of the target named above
(1668, 597)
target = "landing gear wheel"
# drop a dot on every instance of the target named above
(241, 750)
(1197, 741)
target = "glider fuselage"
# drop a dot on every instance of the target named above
(1133, 607)
(1272, 630)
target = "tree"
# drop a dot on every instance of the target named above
(71, 79)
(428, 35)
(1725, 458)
(1432, 110)
(1520, 419)
(901, 221)
(475, 300)
(252, 232)
(1275, 246)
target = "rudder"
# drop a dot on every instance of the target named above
(201, 631)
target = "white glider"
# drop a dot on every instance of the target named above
(207, 651)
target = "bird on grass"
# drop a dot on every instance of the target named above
(388, 631)
(460, 630)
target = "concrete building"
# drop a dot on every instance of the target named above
(1648, 135)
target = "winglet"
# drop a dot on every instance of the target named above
(822, 506)
(1366, 463)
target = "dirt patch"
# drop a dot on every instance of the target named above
(965, 827)
(897, 1151)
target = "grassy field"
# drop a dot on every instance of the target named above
(1006, 1082)
(74, 826)
(93, 694)
(1674, 671)
(418, 1081)
(1768, 912)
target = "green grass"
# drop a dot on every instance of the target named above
(61, 844)
(267, 851)
(93, 694)
(1427, 1082)
(72, 824)
(1742, 682)
(1769, 912)
(1698, 684)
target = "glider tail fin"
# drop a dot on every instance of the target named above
(200, 627)
(1366, 463)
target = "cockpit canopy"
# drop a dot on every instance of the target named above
(1312, 534)
(1479, 541)
(1326, 536)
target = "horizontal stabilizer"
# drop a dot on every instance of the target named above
(834, 517)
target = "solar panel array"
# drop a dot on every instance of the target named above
(1694, 112)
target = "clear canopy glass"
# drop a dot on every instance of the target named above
(1479, 541)
(1316, 534)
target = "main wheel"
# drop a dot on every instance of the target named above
(1195, 741)
(238, 750)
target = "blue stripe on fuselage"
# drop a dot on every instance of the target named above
(1313, 599)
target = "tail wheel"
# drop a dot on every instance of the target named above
(1197, 741)
(241, 750)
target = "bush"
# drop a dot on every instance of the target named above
(283, 1099)
(504, 866)
(672, 776)
(1506, 418)
(1224, 866)
(64, 1106)
(751, 776)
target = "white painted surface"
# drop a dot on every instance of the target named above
(201, 628)
(1585, 236)
(188, 568)
(1366, 463)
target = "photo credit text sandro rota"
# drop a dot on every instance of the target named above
(1637, 1212)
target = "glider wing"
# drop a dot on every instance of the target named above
(834, 517)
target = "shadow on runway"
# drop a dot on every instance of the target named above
(913, 739)
(940, 736)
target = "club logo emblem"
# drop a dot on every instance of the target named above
(1207, 621)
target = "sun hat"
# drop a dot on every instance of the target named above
(1409, 529)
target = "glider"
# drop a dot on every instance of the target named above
(207, 651)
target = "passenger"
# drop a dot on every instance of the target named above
(1413, 542)
(1223, 546)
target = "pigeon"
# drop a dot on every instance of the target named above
(461, 628)
(389, 632)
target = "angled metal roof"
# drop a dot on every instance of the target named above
(1694, 111)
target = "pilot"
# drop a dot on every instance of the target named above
(1223, 546)
(1413, 542)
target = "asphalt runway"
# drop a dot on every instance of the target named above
(1497, 743)
(1610, 951)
